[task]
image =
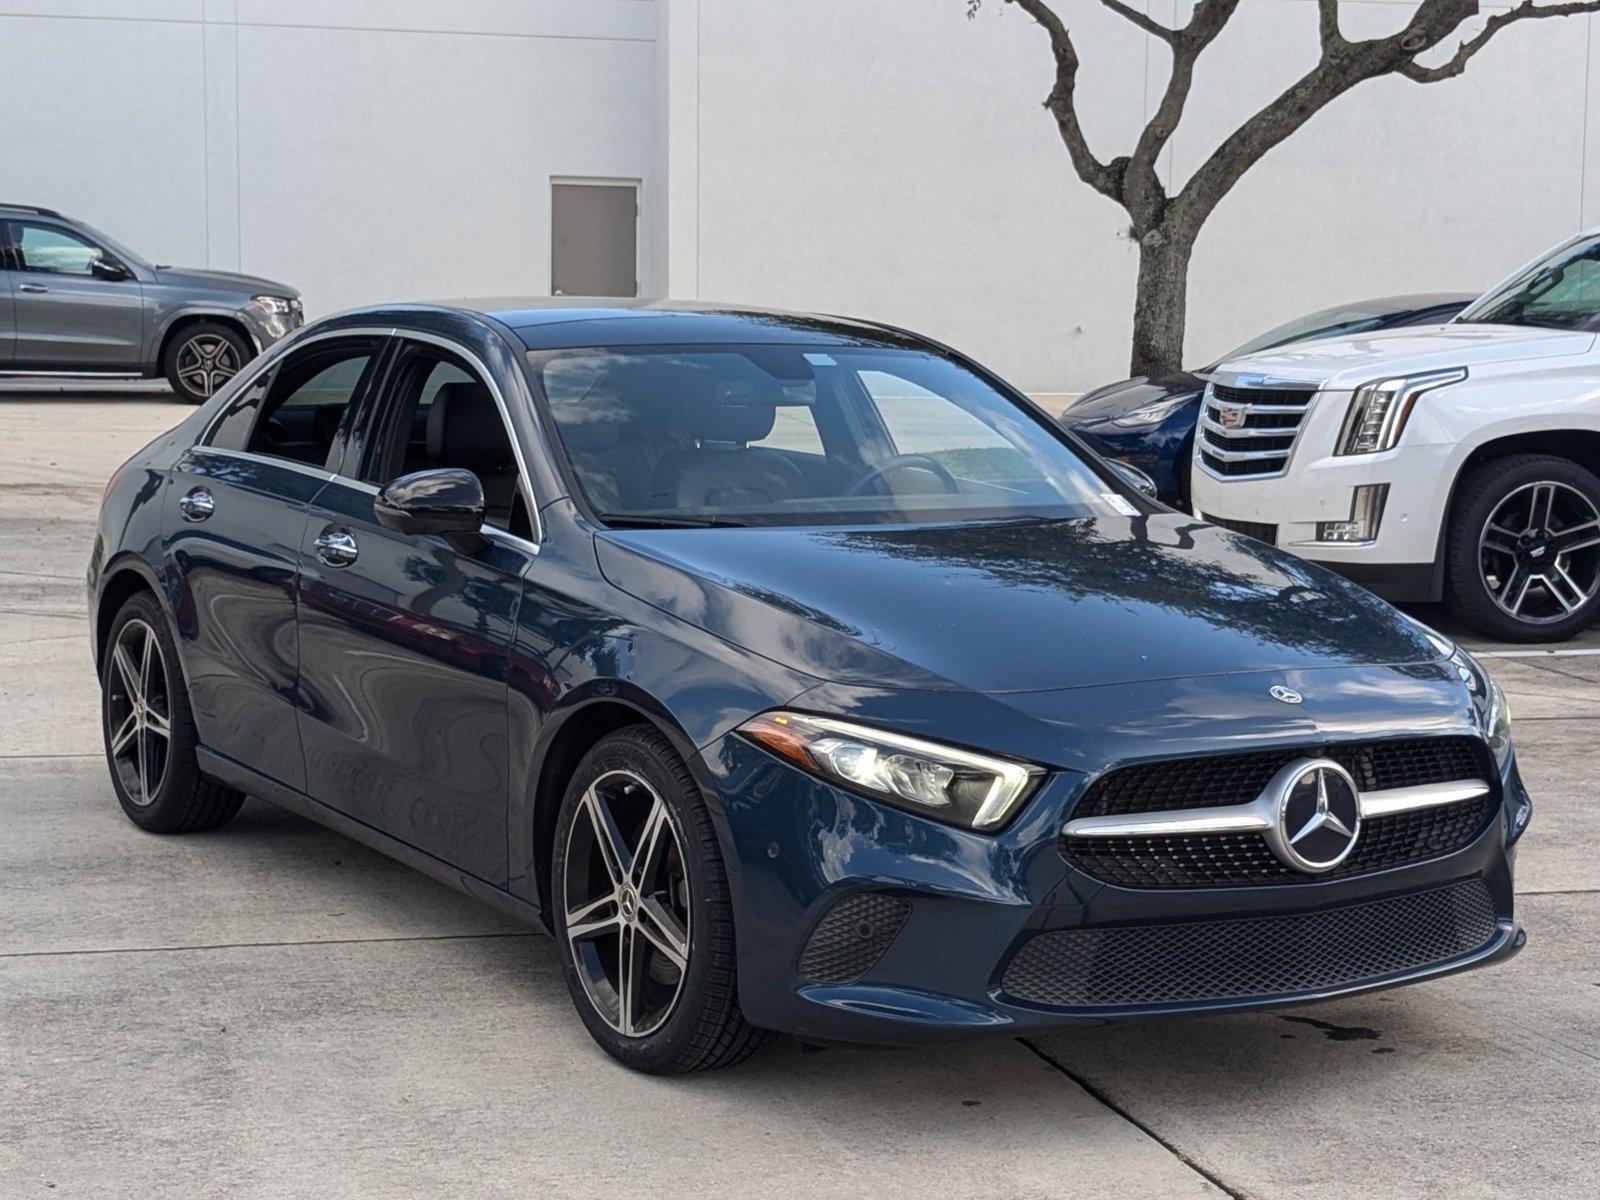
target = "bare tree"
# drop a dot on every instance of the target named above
(1166, 223)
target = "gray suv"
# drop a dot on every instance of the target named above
(75, 302)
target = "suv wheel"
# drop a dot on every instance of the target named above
(149, 730)
(644, 923)
(203, 357)
(1523, 558)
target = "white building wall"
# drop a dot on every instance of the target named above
(363, 150)
(892, 160)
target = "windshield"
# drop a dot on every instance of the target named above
(1330, 322)
(1560, 291)
(785, 435)
(116, 247)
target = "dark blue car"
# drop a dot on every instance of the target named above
(1149, 421)
(797, 675)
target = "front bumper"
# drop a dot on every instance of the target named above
(959, 911)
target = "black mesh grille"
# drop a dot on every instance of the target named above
(1239, 778)
(1259, 530)
(1257, 957)
(852, 937)
(1243, 859)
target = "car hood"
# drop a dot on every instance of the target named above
(224, 281)
(1116, 399)
(1346, 363)
(1013, 607)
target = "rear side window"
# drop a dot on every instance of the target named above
(299, 410)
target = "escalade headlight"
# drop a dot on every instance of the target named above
(1379, 410)
(960, 787)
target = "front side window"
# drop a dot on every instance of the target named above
(763, 435)
(1560, 291)
(296, 410)
(53, 251)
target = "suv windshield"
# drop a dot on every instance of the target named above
(1560, 291)
(785, 435)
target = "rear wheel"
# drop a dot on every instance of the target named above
(643, 917)
(203, 357)
(1523, 557)
(149, 731)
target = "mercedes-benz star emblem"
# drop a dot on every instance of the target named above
(1287, 695)
(1318, 815)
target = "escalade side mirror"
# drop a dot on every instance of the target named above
(447, 501)
(109, 270)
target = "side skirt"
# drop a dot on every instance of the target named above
(253, 783)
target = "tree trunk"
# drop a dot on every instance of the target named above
(1159, 308)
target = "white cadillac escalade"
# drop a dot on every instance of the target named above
(1458, 462)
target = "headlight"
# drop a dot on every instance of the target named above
(957, 786)
(1494, 712)
(1379, 410)
(1153, 413)
(279, 306)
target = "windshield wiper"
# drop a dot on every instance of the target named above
(665, 521)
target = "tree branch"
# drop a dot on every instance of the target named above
(1328, 24)
(1062, 103)
(1151, 26)
(1527, 10)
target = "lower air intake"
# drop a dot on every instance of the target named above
(852, 937)
(1253, 957)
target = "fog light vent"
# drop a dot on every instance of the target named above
(1366, 513)
(852, 937)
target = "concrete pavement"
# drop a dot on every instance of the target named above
(271, 1010)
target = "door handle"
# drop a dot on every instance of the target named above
(32, 287)
(197, 504)
(337, 547)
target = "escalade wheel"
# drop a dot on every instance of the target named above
(643, 918)
(149, 730)
(1523, 560)
(202, 358)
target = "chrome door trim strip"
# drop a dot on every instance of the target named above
(1258, 815)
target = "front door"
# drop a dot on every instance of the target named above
(239, 504)
(67, 319)
(405, 640)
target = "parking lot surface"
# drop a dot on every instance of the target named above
(272, 1010)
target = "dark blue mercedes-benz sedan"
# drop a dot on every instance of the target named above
(797, 674)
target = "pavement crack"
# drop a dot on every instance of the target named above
(420, 937)
(1099, 1095)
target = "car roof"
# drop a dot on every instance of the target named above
(563, 322)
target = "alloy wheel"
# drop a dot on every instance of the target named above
(1539, 552)
(206, 362)
(139, 712)
(626, 906)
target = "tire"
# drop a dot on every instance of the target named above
(1545, 585)
(202, 357)
(156, 776)
(685, 1019)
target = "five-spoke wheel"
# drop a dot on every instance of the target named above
(139, 711)
(203, 357)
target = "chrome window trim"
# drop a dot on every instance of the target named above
(267, 460)
(1259, 815)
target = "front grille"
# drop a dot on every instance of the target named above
(1252, 957)
(852, 937)
(1260, 530)
(1259, 442)
(1243, 859)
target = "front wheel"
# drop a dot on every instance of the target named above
(643, 917)
(1523, 555)
(203, 357)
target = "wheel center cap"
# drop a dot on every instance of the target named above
(628, 904)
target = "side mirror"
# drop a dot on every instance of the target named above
(105, 268)
(447, 501)
(1137, 479)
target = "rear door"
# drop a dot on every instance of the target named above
(66, 318)
(405, 640)
(240, 501)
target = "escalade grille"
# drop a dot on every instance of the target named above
(1252, 957)
(1250, 431)
(1243, 859)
